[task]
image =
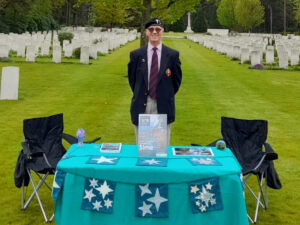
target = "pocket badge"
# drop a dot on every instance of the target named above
(168, 72)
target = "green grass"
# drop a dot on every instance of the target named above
(96, 97)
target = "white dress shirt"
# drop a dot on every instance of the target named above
(149, 55)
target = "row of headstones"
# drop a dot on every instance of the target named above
(251, 49)
(29, 46)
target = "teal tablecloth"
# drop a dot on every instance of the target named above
(177, 175)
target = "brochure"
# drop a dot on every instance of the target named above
(111, 147)
(202, 151)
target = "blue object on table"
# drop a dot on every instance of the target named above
(178, 175)
(80, 134)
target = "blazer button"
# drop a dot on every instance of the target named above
(146, 93)
(145, 104)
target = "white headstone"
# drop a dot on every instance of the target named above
(56, 54)
(84, 55)
(30, 53)
(283, 59)
(255, 58)
(270, 55)
(244, 55)
(10, 83)
(294, 57)
(68, 50)
(4, 50)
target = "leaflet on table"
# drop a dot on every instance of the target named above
(152, 135)
(111, 147)
(193, 151)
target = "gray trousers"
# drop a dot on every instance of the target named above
(151, 108)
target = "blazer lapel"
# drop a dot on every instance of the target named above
(145, 64)
(163, 61)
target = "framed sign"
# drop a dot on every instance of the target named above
(152, 135)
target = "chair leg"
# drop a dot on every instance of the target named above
(34, 193)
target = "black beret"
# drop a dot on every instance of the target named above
(154, 22)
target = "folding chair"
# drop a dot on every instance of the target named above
(247, 140)
(42, 149)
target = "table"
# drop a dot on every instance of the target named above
(126, 174)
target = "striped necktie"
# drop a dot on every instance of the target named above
(153, 74)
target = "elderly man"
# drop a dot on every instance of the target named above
(154, 74)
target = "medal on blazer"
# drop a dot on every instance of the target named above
(168, 72)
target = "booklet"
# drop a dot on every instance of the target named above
(111, 147)
(193, 151)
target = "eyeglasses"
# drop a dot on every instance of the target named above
(157, 29)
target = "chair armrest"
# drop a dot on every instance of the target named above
(270, 154)
(69, 138)
(93, 141)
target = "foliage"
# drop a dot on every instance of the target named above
(76, 53)
(109, 11)
(249, 14)
(226, 13)
(65, 36)
(297, 10)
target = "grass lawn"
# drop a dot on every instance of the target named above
(96, 97)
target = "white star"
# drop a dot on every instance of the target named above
(208, 186)
(213, 201)
(145, 208)
(152, 161)
(104, 189)
(157, 199)
(194, 189)
(198, 203)
(202, 208)
(93, 183)
(55, 185)
(145, 189)
(104, 159)
(205, 161)
(205, 196)
(108, 203)
(97, 205)
(89, 195)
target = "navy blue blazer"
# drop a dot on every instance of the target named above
(167, 86)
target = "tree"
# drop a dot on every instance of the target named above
(226, 13)
(297, 10)
(249, 14)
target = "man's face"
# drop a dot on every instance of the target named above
(154, 34)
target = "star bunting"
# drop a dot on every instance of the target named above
(205, 195)
(143, 161)
(102, 160)
(206, 161)
(58, 183)
(151, 200)
(98, 195)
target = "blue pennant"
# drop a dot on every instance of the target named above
(204, 161)
(103, 160)
(58, 183)
(205, 195)
(151, 200)
(98, 195)
(146, 161)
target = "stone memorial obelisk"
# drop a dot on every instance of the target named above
(189, 28)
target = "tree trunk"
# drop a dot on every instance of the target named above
(146, 15)
(284, 15)
(271, 18)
